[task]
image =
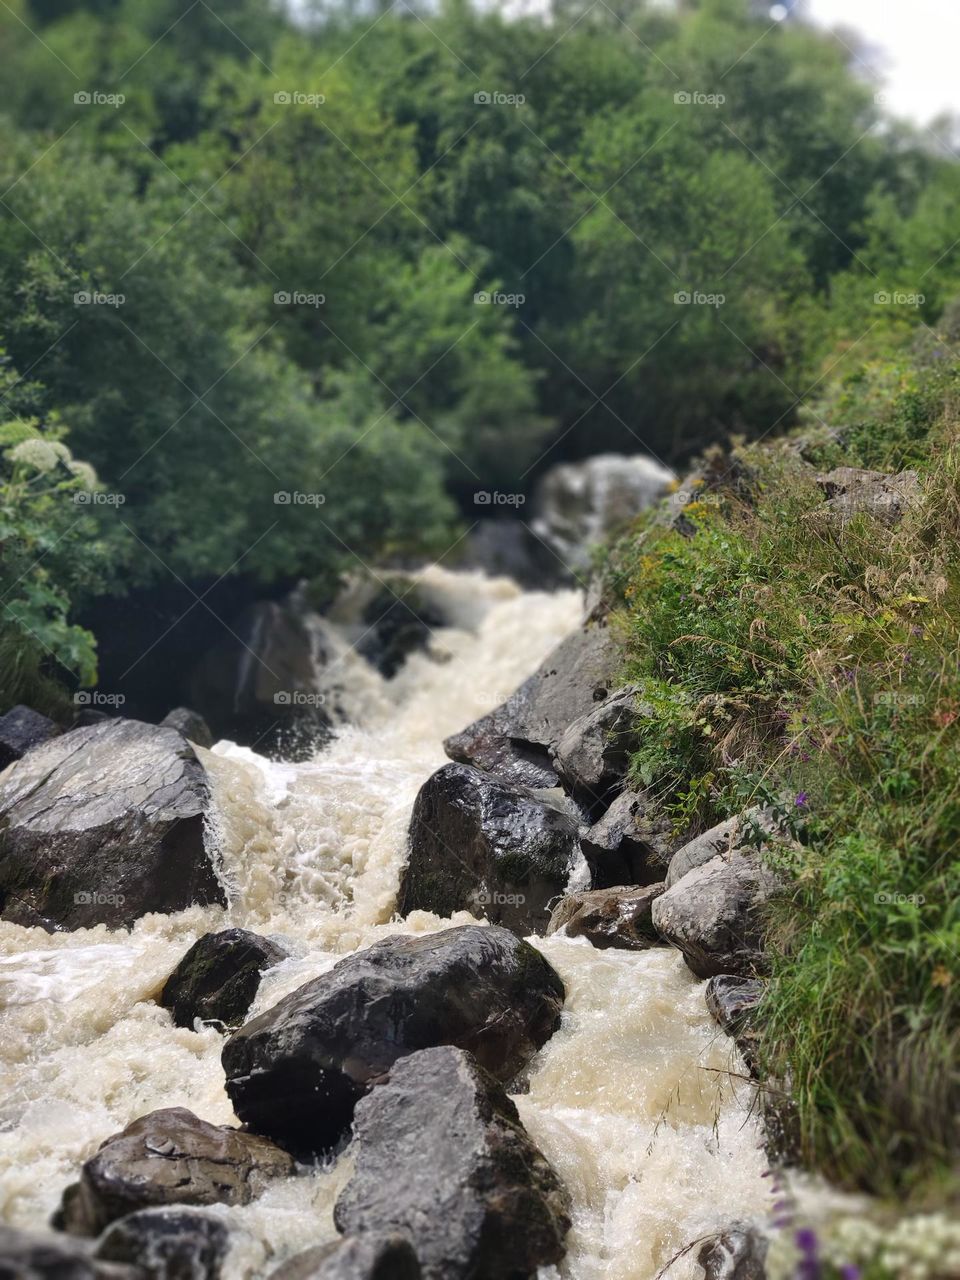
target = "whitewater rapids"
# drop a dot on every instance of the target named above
(638, 1100)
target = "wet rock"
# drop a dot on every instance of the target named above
(732, 1001)
(371, 1256)
(633, 843)
(619, 917)
(258, 684)
(740, 1253)
(714, 916)
(516, 740)
(441, 1157)
(20, 729)
(168, 1244)
(398, 620)
(191, 724)
(592, 756)
(506, 547)
(851, 491)
(169, 1157)
(29, 1255)
(579, 504)
(218, 978)
(102, 825)
(297, 1071)
(482, 845)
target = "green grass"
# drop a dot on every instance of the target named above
(792, 661)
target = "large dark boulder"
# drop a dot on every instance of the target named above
(21, 729)
(30, 1255)
(217, 979)
(102, 825)
(441, 1157)
(191, 724)
(482, 845)
(516, 740)
(619, 917)
(168, 1244)
(633, 843)
(297, 1071)
(714, 914)
(372, 1256)
(164, 1158)
(398, 620)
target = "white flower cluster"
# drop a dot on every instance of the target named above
(922, 1247)
(43, 455)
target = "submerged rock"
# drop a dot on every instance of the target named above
(31, 1255)
(297, 1071)
(164, 1158)
(482, 845)
(397, 621)
(739, 1253)
(713, 914)
(102, 825)
(191, 724)
(442, 1158)
(168, 1244)
(217, 979)
(21, 729)
(516, 740)
(633, 843)
(371, 1256)
(618, 917)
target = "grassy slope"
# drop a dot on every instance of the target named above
(817, 667)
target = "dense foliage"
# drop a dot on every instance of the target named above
(812, 665)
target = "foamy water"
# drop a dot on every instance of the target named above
(636, 1099)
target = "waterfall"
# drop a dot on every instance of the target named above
(638, 1100)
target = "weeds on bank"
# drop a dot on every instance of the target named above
(789, 659)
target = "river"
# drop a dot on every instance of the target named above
(638, 1100)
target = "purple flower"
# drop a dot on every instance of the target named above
(801, 799)
(849, 1272)
(806, 1241)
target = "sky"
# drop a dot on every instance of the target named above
(919, 42)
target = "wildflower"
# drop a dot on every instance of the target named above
(801, 799)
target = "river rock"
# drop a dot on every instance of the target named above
(726, 837)
(851, 491)
(579, 504)
(732, 1002)
(713, 914)
(516, 740)
(191, 724)
(618, 917)
(297, 1071)
(102, 825)
(739, 1253)
(371, 1256)
(30, 1255)
(633, 843)
(21, 729)
(167, 1244)
(398, 620)
(592, 756)
(442, 1158)
(217, 979)
(482, 845)
(169, 1157)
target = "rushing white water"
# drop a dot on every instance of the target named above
(638, 1099)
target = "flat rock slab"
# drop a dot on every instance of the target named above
(297, 1071)
(218, 978)
(442, 1158)
(101, 826)
(169, 1157)
(619, 917)
(483, 845)
(371, 1256)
